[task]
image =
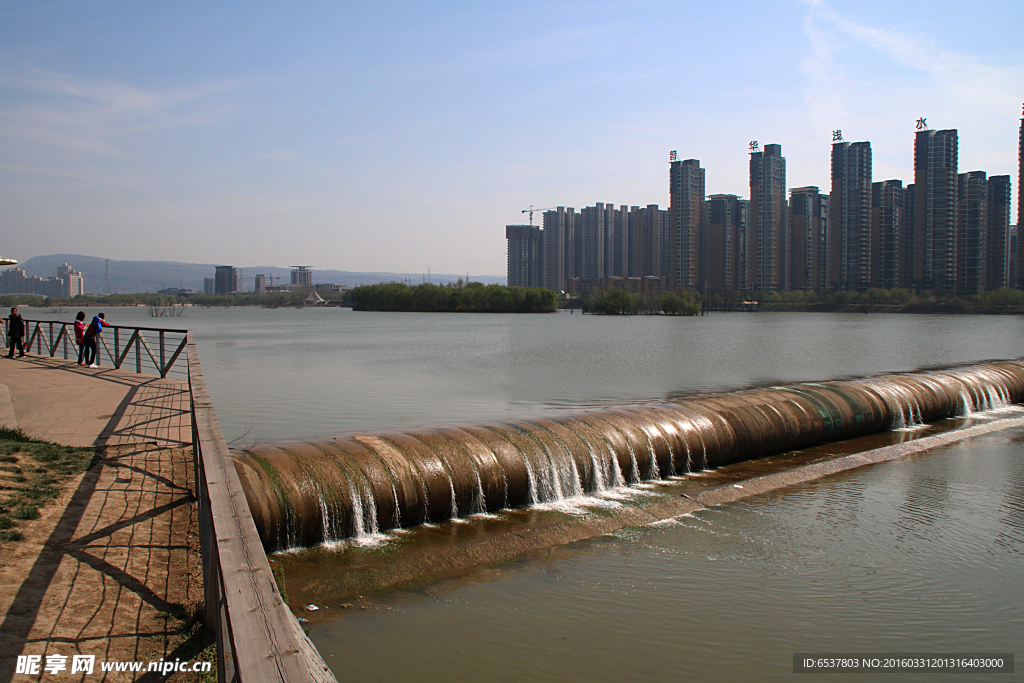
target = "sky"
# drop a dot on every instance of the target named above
(404, 136)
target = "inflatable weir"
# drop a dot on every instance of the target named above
(303, 494)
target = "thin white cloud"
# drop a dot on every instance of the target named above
(959, 78)
(824, 92)
(60, 112)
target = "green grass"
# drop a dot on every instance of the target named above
(37, 479)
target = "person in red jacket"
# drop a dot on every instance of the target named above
(80, 335)
(92, 341)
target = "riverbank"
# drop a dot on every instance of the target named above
(955, 307)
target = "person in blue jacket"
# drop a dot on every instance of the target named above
(92, 340)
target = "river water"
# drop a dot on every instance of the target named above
(919, 555)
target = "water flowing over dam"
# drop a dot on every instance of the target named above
(306, 493)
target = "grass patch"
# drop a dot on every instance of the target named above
(26, 512)
(42, 469)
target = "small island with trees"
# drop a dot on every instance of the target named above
(456, 297)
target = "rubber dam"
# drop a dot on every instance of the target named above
(306, 493)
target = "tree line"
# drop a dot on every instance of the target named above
(616, 301)
(455, 297)
(477, 297)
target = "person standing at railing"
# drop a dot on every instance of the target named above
(80, 336)
(92, 341)
(16, 334)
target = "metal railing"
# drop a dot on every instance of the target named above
(258, 637)
(162, 347)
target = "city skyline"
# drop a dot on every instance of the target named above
(395, 136)
(948, 230)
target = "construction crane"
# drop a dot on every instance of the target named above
(531, 210)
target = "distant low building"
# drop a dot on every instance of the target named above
(330, 287)
(66, 284)
(178, 291)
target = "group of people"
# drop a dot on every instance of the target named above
(86, 336)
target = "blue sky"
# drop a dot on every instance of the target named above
(403, 136)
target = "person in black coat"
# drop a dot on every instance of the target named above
(16, 332)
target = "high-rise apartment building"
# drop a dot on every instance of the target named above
(1020, 205)
(648, 225)
(726, 235)
(594, 235)
(808, 233)
(972, 224)
(225, 280)
(849, 260)
(618, 245)
(686, 214)
(525, 255)
(935, 216)
(888, 223)
(558, 225)
(998, 237)
(766, 253)
(259, 284)
(74, 282)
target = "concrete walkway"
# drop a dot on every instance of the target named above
(101, 570)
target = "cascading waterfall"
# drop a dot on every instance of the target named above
(354, 486)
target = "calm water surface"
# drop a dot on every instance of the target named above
(920, 555)
(292, 374)
(924, 554)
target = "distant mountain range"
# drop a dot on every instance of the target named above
(130, 277)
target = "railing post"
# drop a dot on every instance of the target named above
(163, 370)
(117, 347)
(51, 343)
(138, 355)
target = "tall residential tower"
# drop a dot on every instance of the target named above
(686, 214)
(766, 253)
(849, 249)
(935, 215)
